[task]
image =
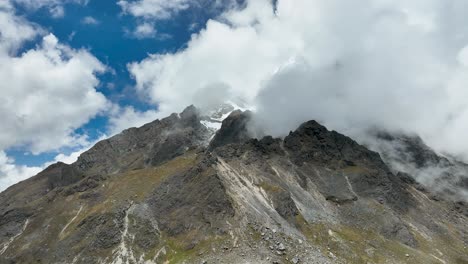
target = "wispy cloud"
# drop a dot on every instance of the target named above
(154, 9)
(144, 30)
(55, 7)
(89, 20)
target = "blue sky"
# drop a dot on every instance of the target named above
(109, 38)
(76, 71)
(66, 72)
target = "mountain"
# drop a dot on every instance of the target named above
(195, 188)
(408, 154)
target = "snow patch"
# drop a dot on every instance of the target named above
(211, 125)
(222, 117)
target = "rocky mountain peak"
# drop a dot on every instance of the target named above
(60, 174)
(190, 113)
(146, 146)
(234, 129)
(183, 190)
(312, 141)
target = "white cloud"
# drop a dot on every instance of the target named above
(57, 11)
(399, 65)
(89, 20)
(10, 173)
(233, 58)
(154, 9)
(149, 11)
(163, 9)
(144, 30)
(55, 7)
(123, 118)
(14, 30)
(50, 92)
(46, 93)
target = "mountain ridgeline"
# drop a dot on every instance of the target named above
(180, 190)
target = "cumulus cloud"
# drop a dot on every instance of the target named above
(14, 30)
(396, 65)
(48, 91)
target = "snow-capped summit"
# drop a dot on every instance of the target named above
(214, 116)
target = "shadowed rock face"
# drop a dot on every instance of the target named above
(342, 171)
(149, 145)
(194, 200)
(165, 193)
(313, 142)
(233, 130)
(60, 174)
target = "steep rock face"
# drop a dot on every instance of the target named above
(312, 145)
(161, 194)
(194, 200)
(149, 145)
(315, 164)
(233, 130)
(60, 174)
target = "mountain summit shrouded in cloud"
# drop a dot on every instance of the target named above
(233, 131)
(396, 65)
(196, 188)
(391, 65)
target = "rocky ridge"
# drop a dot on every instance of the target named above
(180, 190)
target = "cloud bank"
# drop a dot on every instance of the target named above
(395, 65)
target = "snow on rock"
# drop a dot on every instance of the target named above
(213, 118)
(211, 125)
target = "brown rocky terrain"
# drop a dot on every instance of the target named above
(177, 191)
